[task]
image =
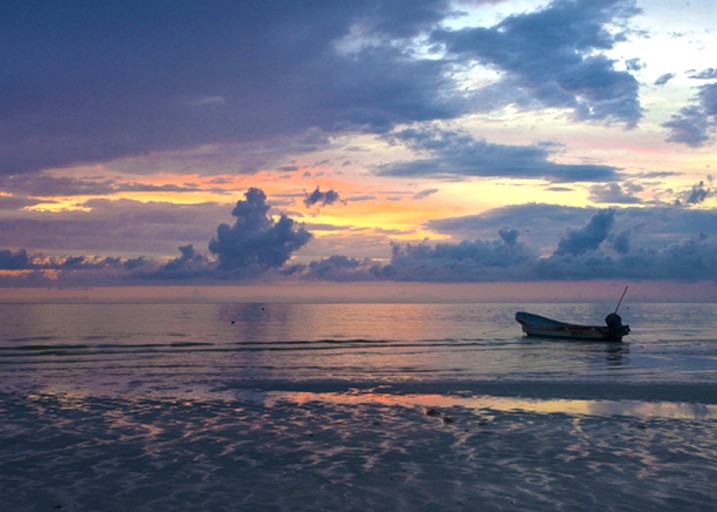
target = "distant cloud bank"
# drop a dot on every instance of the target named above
(609, 244)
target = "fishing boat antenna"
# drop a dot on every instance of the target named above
(620, 301)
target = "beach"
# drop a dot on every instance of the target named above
(351, 407)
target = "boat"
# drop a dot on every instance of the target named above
(536, 325)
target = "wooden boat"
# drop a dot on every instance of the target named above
(536, 325)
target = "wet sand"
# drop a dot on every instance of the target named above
(355, 450)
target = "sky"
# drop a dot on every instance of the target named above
(477, 141)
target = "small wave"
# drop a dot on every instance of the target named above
(24, 339)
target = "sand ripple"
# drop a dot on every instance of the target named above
(281, 453)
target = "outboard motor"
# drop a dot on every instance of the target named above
(613, 321)
(614, 325)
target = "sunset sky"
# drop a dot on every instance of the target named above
(368, 140)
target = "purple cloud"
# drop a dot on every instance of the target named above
(457, 154)
(256, 243)
(322, 198)
(553, 57)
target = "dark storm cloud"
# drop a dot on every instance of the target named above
(256, 243)
(321, 198)
(458, 154)
(553, 56)
(693, 124)
(87, 82)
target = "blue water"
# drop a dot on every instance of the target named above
(355, 407)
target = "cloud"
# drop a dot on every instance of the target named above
(343, 268)
(134, 82)
(688, 127)
(554, 56)
(621, 242)
(542, 226)
(17, 202)
(611, 193)
(705, 74)
(595, 251)
(588, 238)
(252, 78)
(322, 198)
(422, 194)
(582, 243)
(698, 193)
(10, 260)
(693, 124)
(458, 154)
(188, 262)
(256, 243)
(44, 185)
(663, 79)
(111, 227)
(634, 64)
(478, 260)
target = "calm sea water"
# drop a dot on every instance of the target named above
(181, 350)
(383, 407)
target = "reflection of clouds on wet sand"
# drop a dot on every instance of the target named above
(351, 451)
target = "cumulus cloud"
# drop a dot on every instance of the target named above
(588, 238)
(343, 268)
(256, 243)
(554, 56)
(596, 250)
(479, 260)
(458, 154)
(10, 260)
(321, 198)
(586, 244)
(621, 242)
(188, 261)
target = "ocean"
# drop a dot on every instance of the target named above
(220, 406)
